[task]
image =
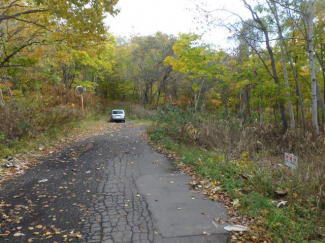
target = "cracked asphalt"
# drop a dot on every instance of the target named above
(111, 188)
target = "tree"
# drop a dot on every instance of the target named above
(273, 7)
(273, 71)
(202, 66)
(25, 23)
(310, 40)
(144, 65)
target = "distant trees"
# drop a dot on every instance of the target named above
(271, 75)
(282, 35)
(143, 63)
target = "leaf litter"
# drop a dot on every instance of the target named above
(25, 208)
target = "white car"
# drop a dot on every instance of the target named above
(117, 115)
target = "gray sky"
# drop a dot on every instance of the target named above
(146, 17)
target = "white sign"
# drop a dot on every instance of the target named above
(291, 160)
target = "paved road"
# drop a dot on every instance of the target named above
(111, 188)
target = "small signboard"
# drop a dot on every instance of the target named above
(291, 160)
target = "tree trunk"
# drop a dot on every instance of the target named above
(241, 105)
(146, 95)
(248, 108)
(319, 96)
(277, 81)
(225, 102)
(285, 70)
(66, 84)
(196, 100)
(68, 98)
(4, 79)
(158, 98)
(260, 110)
(203, 101)
(198, 95)
(310, 40)
(260, 106)
(274, 73)
(320, 99)
(294, 71)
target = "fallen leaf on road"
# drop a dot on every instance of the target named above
(239, 228)
(42, 181)
(5, 234)
(19, 234)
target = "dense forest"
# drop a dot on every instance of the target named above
(276, 72)
(266, 93)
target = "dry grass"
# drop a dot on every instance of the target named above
(42, 113)
(264, 145)
(249, 161)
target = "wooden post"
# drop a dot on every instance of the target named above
(82, 102)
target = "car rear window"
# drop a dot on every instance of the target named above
(117, 112)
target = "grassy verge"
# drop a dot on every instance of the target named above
(255, 188)
(30, 144)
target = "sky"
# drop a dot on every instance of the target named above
(146, 17)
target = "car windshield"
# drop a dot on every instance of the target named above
(117, 112)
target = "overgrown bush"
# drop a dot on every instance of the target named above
(44, 113)
(210, 131)
(254, 152)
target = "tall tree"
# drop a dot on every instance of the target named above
(310, 41)
(273, 71)
(38, 22)
(273, 7)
